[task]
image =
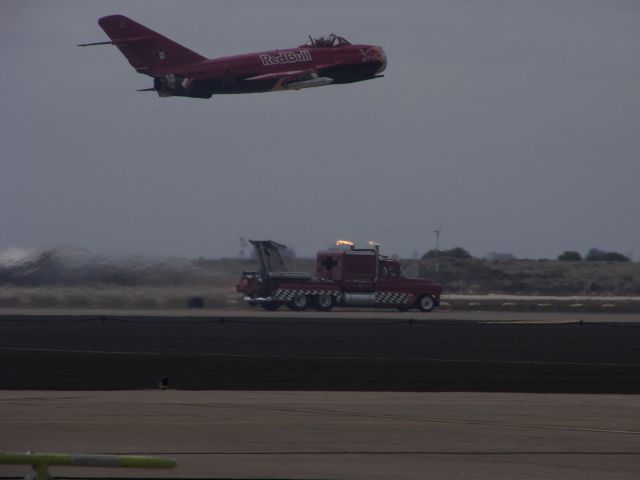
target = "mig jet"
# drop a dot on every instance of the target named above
(178, 71)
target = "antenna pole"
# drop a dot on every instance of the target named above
(438, 231)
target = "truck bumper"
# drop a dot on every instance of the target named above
(258, 300)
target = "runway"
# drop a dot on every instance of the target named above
(359, 395)
(346, 351)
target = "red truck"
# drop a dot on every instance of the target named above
(355, 277)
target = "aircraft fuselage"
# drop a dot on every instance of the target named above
(178, 71)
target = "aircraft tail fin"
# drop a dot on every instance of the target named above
(146, 50)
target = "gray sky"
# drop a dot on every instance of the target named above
(515, 124)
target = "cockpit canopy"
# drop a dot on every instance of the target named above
(329, 41)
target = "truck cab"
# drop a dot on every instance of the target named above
(370, 279)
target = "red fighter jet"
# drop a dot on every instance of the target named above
(178, 71)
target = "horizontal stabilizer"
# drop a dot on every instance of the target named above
(117, 42)
(95, 43)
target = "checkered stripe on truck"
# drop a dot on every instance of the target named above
(288, 294)
(391, 297)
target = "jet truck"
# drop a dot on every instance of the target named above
(346, 277)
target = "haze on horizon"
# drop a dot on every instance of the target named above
(514, 124)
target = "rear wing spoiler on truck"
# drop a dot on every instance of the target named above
(270, 261)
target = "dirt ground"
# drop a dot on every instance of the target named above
(332, 435)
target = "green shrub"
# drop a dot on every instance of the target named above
(570, 256)
(457, 252)
(596, 255)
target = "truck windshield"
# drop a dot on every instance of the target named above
(390, 270)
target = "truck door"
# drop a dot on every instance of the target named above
(391, 288)
(388, 278)
(359, 271)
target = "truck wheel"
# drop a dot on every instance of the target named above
(324, 302)
(299, 302)
(426, 303)
(271, 306)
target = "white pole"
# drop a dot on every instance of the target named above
(437, 231)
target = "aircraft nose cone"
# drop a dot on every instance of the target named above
(383, 60)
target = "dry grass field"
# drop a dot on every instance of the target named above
(535, 277)
(115, 297)
(77, 279)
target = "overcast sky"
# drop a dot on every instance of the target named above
(513, 124)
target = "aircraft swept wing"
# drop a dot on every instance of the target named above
(294, 80)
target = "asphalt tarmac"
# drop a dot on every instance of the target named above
(345, 351)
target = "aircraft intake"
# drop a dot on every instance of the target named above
(170, 85)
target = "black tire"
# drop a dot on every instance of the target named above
(270, 306)
(299, 302)
(426, 303)
(324, 302)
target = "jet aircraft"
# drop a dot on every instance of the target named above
(178, 71)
